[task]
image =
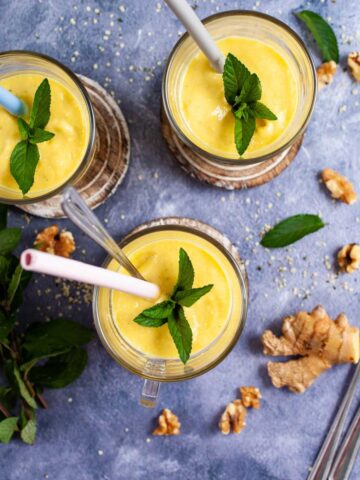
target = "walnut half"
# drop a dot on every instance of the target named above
(325, 73)
(354, 64)
(51, 240)
(233, 418)
(168, 424)
(340, 187)
(250, 397)
(349, 258)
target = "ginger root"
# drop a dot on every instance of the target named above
(320, 341)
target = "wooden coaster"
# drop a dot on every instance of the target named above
(111, 160)
(230, 177)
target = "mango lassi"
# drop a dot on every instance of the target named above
(205, 117)
(156, 256)
(61, 156)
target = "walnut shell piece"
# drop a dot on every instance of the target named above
(250, 397)
(339, 186)
(349, 258)
(233, 418)
(168, 424)
(354, 64)
(325, 73)
(51, 240)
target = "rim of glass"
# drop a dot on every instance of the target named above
(216, 158)
(133, 235)
(92, 127)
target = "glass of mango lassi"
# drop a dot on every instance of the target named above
(66, 157)
(193, 94)
(216, 320)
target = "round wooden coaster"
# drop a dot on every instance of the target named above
(111, 160)
(229, 177)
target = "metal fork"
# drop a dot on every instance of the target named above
(325, 458)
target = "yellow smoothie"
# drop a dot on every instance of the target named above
(59, 157)
(204, 114)
(156, 256)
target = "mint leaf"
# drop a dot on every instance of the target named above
(40, 112)
(3, 216)
(234, 75)
(14, 284)
(28, 432)
(262, 111)
(244, 130)
(181, 333)
(6, 325)
(186, 298)
(23, 161)
(251, 90)
(324, 35)
(291, 230)
(39, 136)
(23, 128)
(9, 239)
(150, 322)
(61, 370)
(23, 390)
(42, 339)
(7, 429)
(159, 311)
(186, 272)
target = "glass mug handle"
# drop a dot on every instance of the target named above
(150, 391)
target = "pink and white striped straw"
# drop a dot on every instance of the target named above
(42, 262)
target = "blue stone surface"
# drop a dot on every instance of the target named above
(95, 429)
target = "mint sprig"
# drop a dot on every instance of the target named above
(322, 32)
(243, 91)
(291, 230)
(172, 312)
(25, 156)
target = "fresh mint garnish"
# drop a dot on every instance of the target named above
(172, 312)
(322, 32)
(25, 156)
(49, 354)
(291, 230)
(243, 92)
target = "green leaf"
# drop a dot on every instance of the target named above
(251, 90)
(158, 311)
(40, 112)
(23, 161)
(23, 128)
(42, 339)
(234, 75)
(262, 111)
(244, 130)
(4, 268)
(39, 136)
(324, 35)
(150, 322)
(19, 281)
(292, 229)
(186, 272)
(28, 426)
(7, 398)
(61, 370)
(7, 429)
(24, 392)
(6, 325)
(186, 298)
(181, 333)
(14, 284)
(9, 239)
(3, 215)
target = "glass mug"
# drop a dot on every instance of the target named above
(26, 62)
(257, 26)
(157, 370)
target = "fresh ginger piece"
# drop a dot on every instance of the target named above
(320, 341)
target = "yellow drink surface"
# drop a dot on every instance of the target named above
(156, 256)
(60, 156)
(206, 117)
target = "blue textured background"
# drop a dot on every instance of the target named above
(95, 428)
